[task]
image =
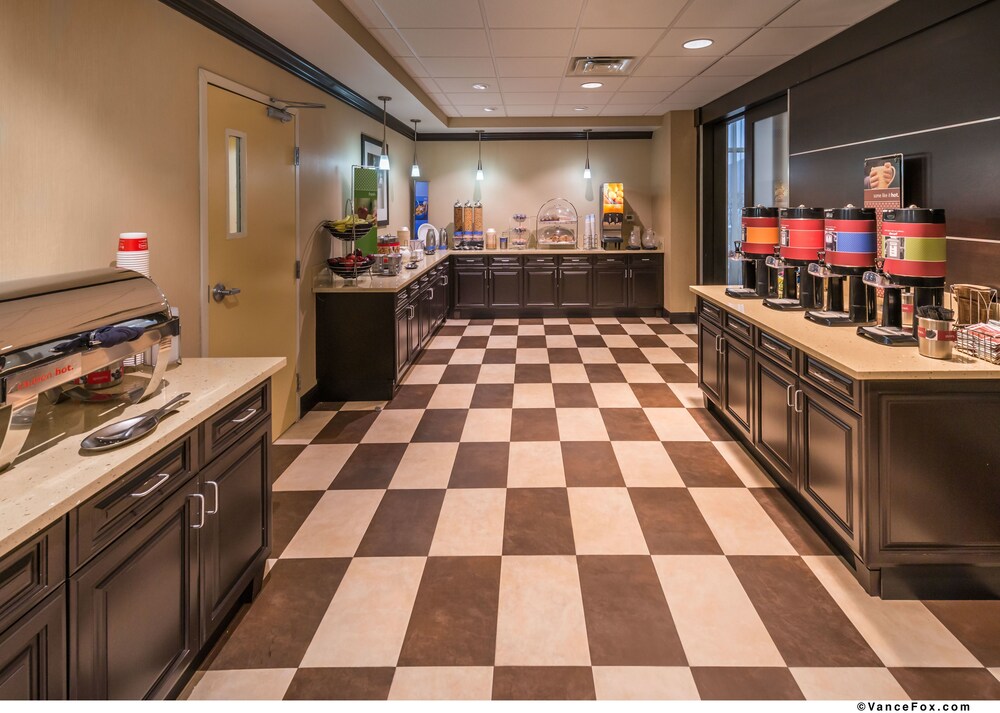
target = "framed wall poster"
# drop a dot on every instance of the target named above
(420, 191)
(371, 150)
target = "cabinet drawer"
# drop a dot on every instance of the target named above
(581, 261)
(540, 260)
(775, 348)
(504, 260)
(31, 572)
(830, 380)
(462, 260)
(710, 311)
(610, 261)
(645, 260)
(104, 517)
(402, 297)
(737, 327)
(228, 426)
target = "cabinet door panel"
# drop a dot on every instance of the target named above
(737, 381)
(402, 340)
(708, 361)
(775, 420)
(470, 287)
(425, 314)
(574, 287)
(505, 287)
(33, 653)
(540, 287)
(610, 288)
(644, 285)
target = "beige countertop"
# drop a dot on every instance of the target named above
(327, 282)
(843, 349)
(43, 486)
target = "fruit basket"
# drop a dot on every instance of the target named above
(351, 266)
(348, 231)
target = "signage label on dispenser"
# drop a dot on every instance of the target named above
(34, 381)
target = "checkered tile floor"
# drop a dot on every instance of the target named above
(546, 511)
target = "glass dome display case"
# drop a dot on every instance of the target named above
(556, 225)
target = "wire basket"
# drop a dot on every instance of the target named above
(981, 341)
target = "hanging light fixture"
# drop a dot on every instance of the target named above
(415, 169)
(586, 166)
(383, 160)
(479, 167)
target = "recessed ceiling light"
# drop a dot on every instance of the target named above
(592, 85)
(580, 108)
(698, 44)
(489, 108)
(480, 86)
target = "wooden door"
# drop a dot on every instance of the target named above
(540, 286)
(33, 654)
(774, 418)
(644, 288)
(252, 241)
(574, 286)
(470, 287)
(610, 287)
(709, 376)
(737, 382)
(505, 287)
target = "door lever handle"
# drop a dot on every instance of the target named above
(221, 292)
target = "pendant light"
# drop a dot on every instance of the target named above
(415, 168)
(383, 160)
(479, 167)
(586, 167)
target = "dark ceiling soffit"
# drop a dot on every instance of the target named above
(538, 136)
(894, 23)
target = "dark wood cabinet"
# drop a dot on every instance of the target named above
(645, 290)
(403, 351)
(33, 653)
(505, 286)
(574, 286)
(425, 314)
(610, 286)
(470, 287)
(709, 363)
(540, 286)
(736, 382)
(775, 434)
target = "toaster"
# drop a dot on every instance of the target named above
(388, 264)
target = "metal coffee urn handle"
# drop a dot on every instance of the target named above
(221, 292)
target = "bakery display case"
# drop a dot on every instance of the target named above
(557, 224)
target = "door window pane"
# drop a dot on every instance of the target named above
(735, 193)
(236, 174)
(770, 161)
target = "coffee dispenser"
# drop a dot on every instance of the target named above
(850, 239)
(801, 237)
(760, 236)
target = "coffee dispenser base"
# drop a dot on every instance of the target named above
(784, 304)
(833, 319)
(742, 293)
(889, 336)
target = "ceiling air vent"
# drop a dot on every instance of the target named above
(600, 66)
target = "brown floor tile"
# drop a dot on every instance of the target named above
(371, 465)
(564, 355)
(611, 329)
(589, 340)
(451, 330)
(403, 525)
(574, 396)
(630, 320)
(346, 427)
(454, 618)
(628, 424)
(648, 341)
(435, 356)
(480, 465)
(712, 427)
(279, 626)
(340, 684)
(672, 522)
(415, 396)
(537, 522)
(473, 342)
(493, 396)
(532, 374)
(480, 322)
(460, 374)
(504, 330)
(624, 355)
(975, 623)
(532, 321)
(656, 396)
(591, 464)
(557, 329)
(500, 356)
(973, 684)
(628, 620)
(289, 509)
(745, 683)
(689, 355)
(531, 341)
(282, 458)
(543, 683)
(664, 329)
(581, 320)
(441, 425)
(700, 465)
(328, 406)
(806, 624)
(805, 538)
(676, 373)
(604, 374)
(534, 424)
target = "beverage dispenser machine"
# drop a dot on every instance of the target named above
(612, 215)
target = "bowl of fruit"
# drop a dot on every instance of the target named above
(352, 227)
(357, 263)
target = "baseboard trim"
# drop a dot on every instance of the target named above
(308, 400)
(680, 317)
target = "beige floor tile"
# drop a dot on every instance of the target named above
(654, 320)
(644, 683)
(555, 320)
(614, 396)
(366, 621)
(394, 426)
(261, 684)
(586, 329)
(268, 564)
(506, 322)
(645, 464)
(530, 330)
(535, 464)
(315, 467)
(502, 342)
(689, 395)
(596, 355)
(541, 621)
(478, 330)
(444, 342)
(470, 523)
(996, 672)
(467, 356)
(848, 683)
(693, 368)
(581, 424)
(678, 340)
(568, 374)
(661, 355)
(425, 465)
(336, 525)
(362, 405)
(496, 374)
(743, 465)
(606, 320)
(687, 328)
(637, 329)
(424, 374)
(604, 522)
(452, 396)
(675, 424)
(619, 341)
(442, 683)
(560, 341)
(305, 429)
(739, 523)
(641, 374)
(902, 633)
(533, 396)
(487, 424)
(532, 356)
(715, 618)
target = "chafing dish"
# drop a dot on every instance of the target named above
(56, 329)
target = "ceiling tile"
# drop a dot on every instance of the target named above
(626, 109)
(458, 66)
(673, 66)
(731, 13)
(697, 97)
(572, 84)
(391, 40)
(533, 13)
(748, 66)
(439, 99)
(719, 85)
(650, 98)
(428, 84)
(477, 111)
(529, 110)
(464, 84)
(823, 13)
(512, 98)
(367, 13)
(634, 13)
(630, 43)
(785, 40)
(531, 43)
(653, 84)
(450, 110)
(570, 110)
(584, 98)
(724, 40)
(448, 43)
(413, 66)
(474, 98)
(529, 84)
(534, 66)
(672, 104)
(432, 13)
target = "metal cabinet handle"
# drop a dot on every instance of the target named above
(249, 414)
(162, 479)
(788, 395)
(412, 311)
(430, 293)
(215, 496)
(445, 278)
(720, 345)
(766, 344)
(824, 378)
(201, 522)
(799, 401)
